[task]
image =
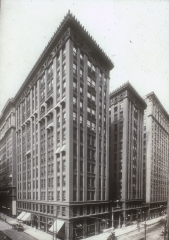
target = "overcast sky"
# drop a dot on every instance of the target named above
(133, 33)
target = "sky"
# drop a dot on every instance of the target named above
(133, 33)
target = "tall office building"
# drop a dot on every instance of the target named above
(62, 136)
(8, 160)
(126, 155)
(156, 155)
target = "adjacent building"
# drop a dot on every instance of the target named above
(62, 136)
(156, 156)
(126, 155)
(8, 160)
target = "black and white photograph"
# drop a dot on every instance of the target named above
(84, 119)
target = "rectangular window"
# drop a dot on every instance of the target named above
(64, 195)
(64, 69)
(58, 195)
(63, 211)
(74, 51)
(74, 68)
(64, 181)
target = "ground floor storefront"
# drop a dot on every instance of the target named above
(8, 202)
(62, 228)
(129, 213)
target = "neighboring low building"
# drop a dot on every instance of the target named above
(8, 160)
(156, 156)
(126, 155)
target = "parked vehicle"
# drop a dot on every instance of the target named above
(17, 227)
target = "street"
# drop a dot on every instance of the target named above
(152, 233)
(13, 234)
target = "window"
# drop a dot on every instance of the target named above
(89, 64)
(81, 166)
(74, 116)
(64, 53)
(74, 85)
(58, 59)
(58, 181)
(64, 181)
(64, 117)
(64, 195)
(81, 89)
(64, 69)
(81, 57)
(121, 105)
(74, 68)
(115, 108)
(63, 211)
(58, 166)
(64, 166)
(75, 164)
(81, 181)
(74, 51)
(58, 76)
(81, 119)
(81, 73)
(81, 105)
(58, 210)
(64, 86)
(64, 134)
(58, 195)
(74, 100)
(88, 80)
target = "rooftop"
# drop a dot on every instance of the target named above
(130, 88)
(6, 107)
(153, 95)
(68, 21)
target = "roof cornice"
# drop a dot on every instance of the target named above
(68, 21)
(8, 104)
(130, 88)
(153, 95)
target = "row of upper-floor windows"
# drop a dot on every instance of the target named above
(7, 124)
(158, 114)
(91, 66)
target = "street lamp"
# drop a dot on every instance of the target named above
(54, 235)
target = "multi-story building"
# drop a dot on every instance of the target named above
(8, 160)
(62, 136)
(126, 155)
(156, 156)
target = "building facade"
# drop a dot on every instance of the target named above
(156, 156)
(8, 160)
(126, 155)
(62, 136)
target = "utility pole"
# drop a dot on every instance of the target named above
(145, 230)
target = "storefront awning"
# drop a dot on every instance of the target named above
(26, 217)
(56, 226)
(21, 215)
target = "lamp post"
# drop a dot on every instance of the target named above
(54, 235)
(145, 225)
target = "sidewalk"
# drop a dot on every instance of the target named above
(122, 231)
(40, 235)
(36, 233)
